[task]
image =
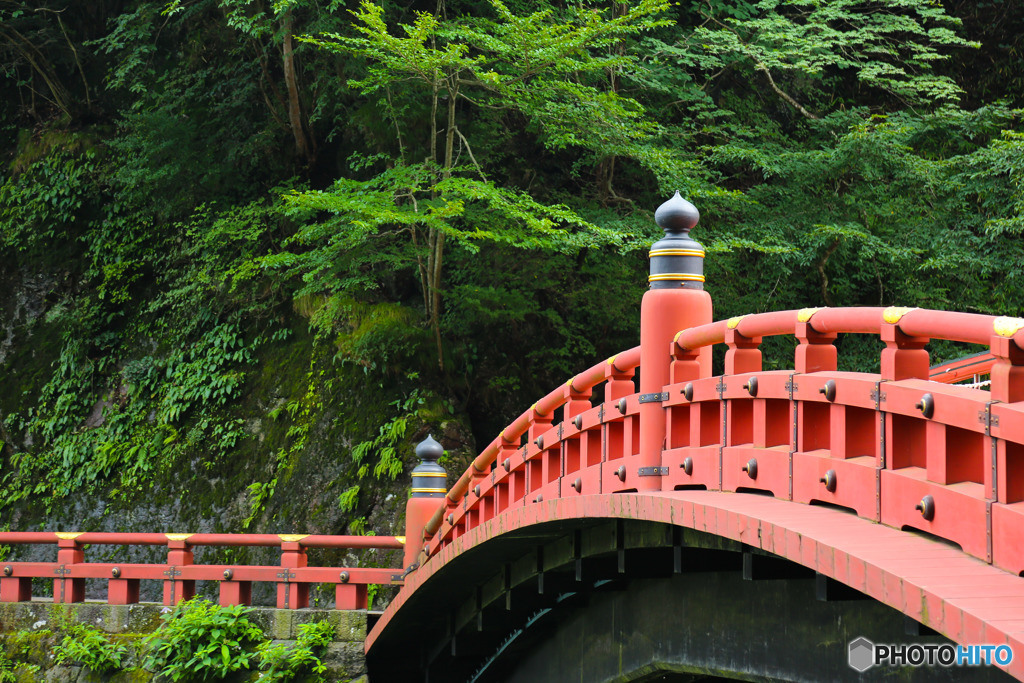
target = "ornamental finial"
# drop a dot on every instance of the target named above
(429, 450)
(676, 215)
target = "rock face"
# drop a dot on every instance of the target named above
(312, 434)
(30, 631)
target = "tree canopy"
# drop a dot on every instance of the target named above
(456, 198)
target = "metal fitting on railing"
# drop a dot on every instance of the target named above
(829, 390)
(751, 468)
(926, 507)
(926, 405)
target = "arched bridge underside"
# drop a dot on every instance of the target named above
(686, 585)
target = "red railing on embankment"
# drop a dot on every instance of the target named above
(893, 446)
(179, 575)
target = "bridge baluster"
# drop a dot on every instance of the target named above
(235, 592)
(577, 403)
(121, 591)
(504, 481)
(743, 354)
(1006, 424)
(69, 552)
(1008, 371)
(290, 594)
(179, 554)
(904, 356)
(15, 588)
(543, 463)
(815, 351)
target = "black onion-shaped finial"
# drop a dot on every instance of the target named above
(676, 215)
(429, 450)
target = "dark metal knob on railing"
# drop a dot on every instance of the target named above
(8, 570)
(228, 574)
(451, 520)
(476, 490)
(926, 507)
(540, 442)
(688, 465)
(539, 498)
(829, 480)
(926, 405)
(115, 572)
(688, 391)
(622, 406)
(507, 464)
(621, 473)
(344, 577)
(751, 468)
(751, 386)
(578, 485)
(829, 390)
(578, 421)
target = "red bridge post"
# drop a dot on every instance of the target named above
(179, 554)
(69, 552)
(675, 301)
(429, 486)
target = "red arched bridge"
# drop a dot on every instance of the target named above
(751, 525)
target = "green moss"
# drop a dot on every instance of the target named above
(28, 365)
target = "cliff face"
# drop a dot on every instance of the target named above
(309, 443)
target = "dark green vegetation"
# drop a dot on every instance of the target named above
(251, 251)
(196, 641)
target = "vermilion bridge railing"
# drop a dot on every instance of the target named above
(179, 574)
(895, 447)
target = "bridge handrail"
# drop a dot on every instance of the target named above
(581, 384)
(234, 540)
(916, 323)
(179, 573)
(972, 328)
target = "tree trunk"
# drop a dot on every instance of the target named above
(305, 148)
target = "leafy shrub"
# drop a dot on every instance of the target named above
(202, 641)
(283, 663)
(89, 647)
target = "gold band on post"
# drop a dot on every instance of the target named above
(677, 252)
(689, 277)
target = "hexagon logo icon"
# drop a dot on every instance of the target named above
(862, 654)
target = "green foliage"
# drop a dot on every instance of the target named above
(285, 663)
(89, 647)
(201, 641)
(42, 206)
(7, 668)
(891, 45)
(15, 652)
(457, 198)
